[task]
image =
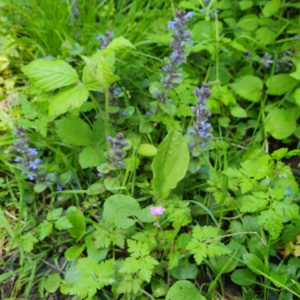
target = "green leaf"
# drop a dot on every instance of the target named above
(238, 112)
(272, 222)
(27, 241)
(252, 203)
(245, 4)
(117, 44)
(54, 214)
(77, 220)
(74, 131)
(243, 277)
(63, 223)
(249, 87)
(73, 252)
(105, 70)
(184, 290)
(254, 263)
(280, 153)
(68, 98)
(119, 208)
(248, 22)
(265, 36)
(170, 164)
(50, 75)
(281, 123)
(185, 270)
(90, 157)
(297, 96)
(89, 72)
(44, 229)
(52, 283)
(296, 74)
(271, 8)
(94, 277)
(93, 251)
(280, 84)
(147, 150)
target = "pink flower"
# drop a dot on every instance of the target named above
(159, 210)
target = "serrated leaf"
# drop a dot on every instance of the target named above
(105, 70)
(63, 223)
(252, 203)
(119, 208)
(44, 229)
(117, 44)
(169, 164)
(54, 214)
(50, 75)
(90, 156)
(272, 222)
(249, 87)
(74, 131)
(280, 84)
(281, 123)
(68, 98)
(77, 220)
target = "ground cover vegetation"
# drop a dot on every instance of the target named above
(149, 149)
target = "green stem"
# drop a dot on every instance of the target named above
(106, 117)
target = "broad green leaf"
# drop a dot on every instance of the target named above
(147, 150)
(243, 277)
(249, 87)
(50, 75)
(248, 22)
(281, 123)
(27, 241)
(245, 4)
(52, 283)
(90, 156)
(280, 84)
(77, 220)
(185, 270)
(238, 112)
(74, 131)
(184, 290)
(271, 8)
(117, 44)
(170, 164)
(73, 252)
(254, 263)
(68, 98)
(265, 36)
(119, 208)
